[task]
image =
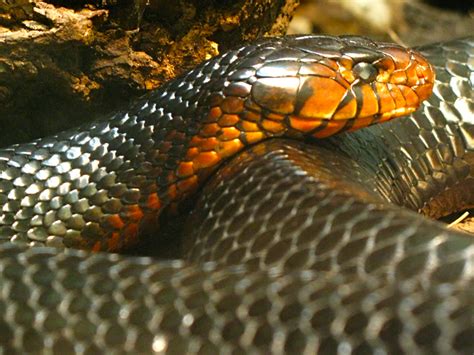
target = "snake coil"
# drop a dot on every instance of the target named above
(308, 250)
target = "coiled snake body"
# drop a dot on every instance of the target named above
(307, 252)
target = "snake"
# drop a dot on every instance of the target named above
(304, 235)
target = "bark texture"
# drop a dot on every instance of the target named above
(65, 62)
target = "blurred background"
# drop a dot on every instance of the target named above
(407, 22)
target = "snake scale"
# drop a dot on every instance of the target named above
(291, 247)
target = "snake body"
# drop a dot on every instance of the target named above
(321, 261)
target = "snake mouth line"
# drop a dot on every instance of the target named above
(324, 128)
(362, 107)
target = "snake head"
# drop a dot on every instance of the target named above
(320, 85)
(297, 87)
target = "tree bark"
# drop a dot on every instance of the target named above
(62, 64)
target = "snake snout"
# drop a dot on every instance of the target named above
(405, 80)
(424, 76)
(411, 72)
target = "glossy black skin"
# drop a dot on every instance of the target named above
(324, 260)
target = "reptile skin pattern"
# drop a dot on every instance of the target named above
(99, 186)
(308, 252)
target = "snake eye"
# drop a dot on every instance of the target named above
(365, 71)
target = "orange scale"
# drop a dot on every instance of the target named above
(247, 126)
(209, 144)
(397, 95)
(229, 133)
(370, 104)
(133, 213)
(410, 96)
(214, 114)
(424, 91)
(386, 102)
(411, 74)
(399, 55)
(397, 113)
(115, 221)
(362, 122)
(206, 159)
(304, 125)
(346, 63)
(347, 111)
(274, 116)
(425, 72)
(332, 128)
(185, 169)
(227, 149)
(254, 137)
(272, 126)
(192, 153)
(153, 201)
(228, 120)
(326, 94)
(386, 64)
(398, 77)
(345, 75)
(346, 84)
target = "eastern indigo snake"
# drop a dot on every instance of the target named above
(309, 252)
